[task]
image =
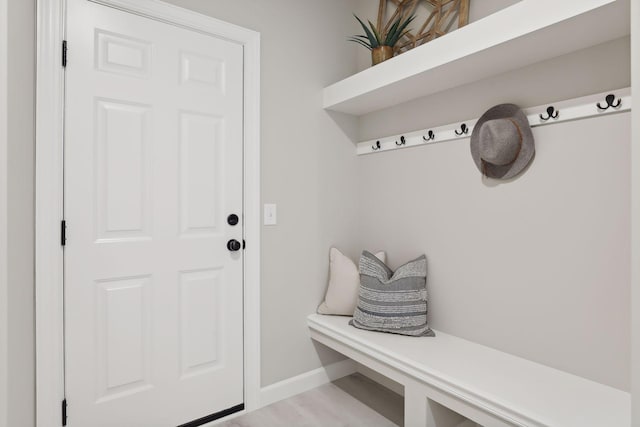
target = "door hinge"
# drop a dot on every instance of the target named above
(64, 53)
(64, 412)
(63, 232)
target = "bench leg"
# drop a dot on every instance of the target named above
(417, 413)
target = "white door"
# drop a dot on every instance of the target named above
(153, 169)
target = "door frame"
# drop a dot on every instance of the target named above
(50, 78)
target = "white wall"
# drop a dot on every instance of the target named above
(20, 156)
(554, 290)
(635, 218)
(3, 213)
(538, 267)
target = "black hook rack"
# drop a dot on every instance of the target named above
(550, 114)
(463, 130)
(376, 147)
(431, 136)
(610, 102)
(402, 141)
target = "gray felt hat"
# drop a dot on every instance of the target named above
(502, 142)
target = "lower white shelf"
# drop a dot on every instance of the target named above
(611, 102)
(488, 386)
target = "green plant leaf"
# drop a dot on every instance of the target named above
(373, 42)
(400, 30)
(405, 23)
(360, 42)
(391, 33)
(375, 32)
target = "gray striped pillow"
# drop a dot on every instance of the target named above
(392, 302)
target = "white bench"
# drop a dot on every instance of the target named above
(490, 387)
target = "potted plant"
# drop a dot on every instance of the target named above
(381, 44)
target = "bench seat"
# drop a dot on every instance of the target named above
(490, 387)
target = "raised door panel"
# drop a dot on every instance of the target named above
(200, 315)
(123, 331)
(202, 70)
(122, 54)
(200, 173)
(122, 170)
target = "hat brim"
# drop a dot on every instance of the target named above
(526, 153)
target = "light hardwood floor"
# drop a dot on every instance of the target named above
(351, 401)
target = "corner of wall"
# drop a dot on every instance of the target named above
(3, 213)
(306, 381)
(19, 169)
(635, 218)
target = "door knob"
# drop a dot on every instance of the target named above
(233, 245)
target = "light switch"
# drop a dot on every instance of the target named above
(270, 214)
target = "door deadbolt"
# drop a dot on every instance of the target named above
(233, 219)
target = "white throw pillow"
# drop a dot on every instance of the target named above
(344, 282)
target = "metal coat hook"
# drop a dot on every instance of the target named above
(610, 102)
(431, 136)
(550, 114)
(463, 130)
(376, 147)
(402, 141)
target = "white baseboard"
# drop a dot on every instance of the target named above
(304, 382)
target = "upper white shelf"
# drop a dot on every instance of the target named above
(530, 31)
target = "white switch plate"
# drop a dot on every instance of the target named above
(270, 211)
